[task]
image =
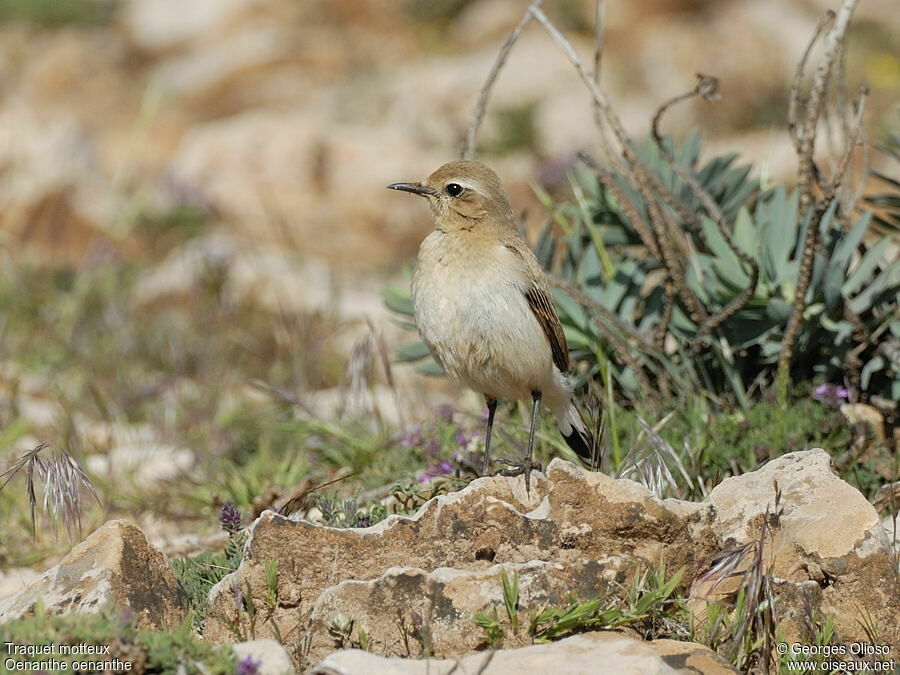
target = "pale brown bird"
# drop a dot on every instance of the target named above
(483, 305)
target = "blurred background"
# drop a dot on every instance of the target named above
(195, 233)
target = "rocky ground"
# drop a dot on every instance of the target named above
(407, 592)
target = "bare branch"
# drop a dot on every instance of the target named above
(826, 19)
(631, 212)
(468, 149)
(834, 43)
(598, 40)
(665, 317)
(599, 97)
(642, 178)
(851, 139)
(707, 87)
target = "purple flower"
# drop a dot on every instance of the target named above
(230, 517)
(445, 412)
(831, 394)
(248, 666)
(413, 437)
(433, 447)
(441, 468)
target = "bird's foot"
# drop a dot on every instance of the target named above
(517, 468)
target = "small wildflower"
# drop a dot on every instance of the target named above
(248, 666)
(831, 394)
(326, 506)
(363, 521)
(441, 468)
(433, 447)
(445, 412)
(413, 437)
(230, 517)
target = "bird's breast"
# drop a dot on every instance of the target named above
(471, 310)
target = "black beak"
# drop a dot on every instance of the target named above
(415, 188)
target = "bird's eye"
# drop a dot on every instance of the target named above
(454, 189)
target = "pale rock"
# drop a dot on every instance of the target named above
(587, 654)
(296, 174)
(114, 565)
(444, 602)
(891, 525)
(599, 514)
(824, 519)
(135, 452)
(487, 20)
(821, 530)
(869, 415)
(206, 71)
(574, 519)
(444, 562)
(269, 656)
(16, 579)
(157, 25)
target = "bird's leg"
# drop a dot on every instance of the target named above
(536, 397)
(527, 465)
(492, 408)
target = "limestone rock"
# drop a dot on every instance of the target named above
(470, 529)
(269, 657)
(576, 520)
(114, 565)
(824, 519)
(594, 653)
(442, 604)
(576, 532)
(16, 579)
(598, 514)
(826, 532)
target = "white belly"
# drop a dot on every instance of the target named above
(475, 318)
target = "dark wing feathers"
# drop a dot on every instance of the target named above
(541, 304)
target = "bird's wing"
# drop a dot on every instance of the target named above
(537, 292)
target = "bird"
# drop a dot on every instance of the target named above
(482, 305)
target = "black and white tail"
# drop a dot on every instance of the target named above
(576, 434)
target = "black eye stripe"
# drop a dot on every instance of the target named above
(454, 189)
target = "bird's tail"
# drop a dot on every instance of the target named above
(576, 434)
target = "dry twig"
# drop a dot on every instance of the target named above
(468, 149)
(708, 88)
(806, 175)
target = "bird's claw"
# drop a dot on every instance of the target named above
(517, 468)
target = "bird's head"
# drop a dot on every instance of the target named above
(464, 195)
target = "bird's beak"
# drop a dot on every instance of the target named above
(415, 188)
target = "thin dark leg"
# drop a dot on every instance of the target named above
(492, 408)
(536, 397)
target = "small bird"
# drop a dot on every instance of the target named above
(483, 306)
